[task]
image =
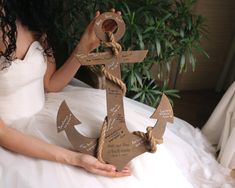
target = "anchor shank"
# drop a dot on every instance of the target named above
(120, 145)
(114, 98)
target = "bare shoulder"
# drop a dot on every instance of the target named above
(24, 39)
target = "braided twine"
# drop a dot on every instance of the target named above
(116, 48)
(101, 140)
(149, 137)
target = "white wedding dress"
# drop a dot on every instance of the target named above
(184, 160)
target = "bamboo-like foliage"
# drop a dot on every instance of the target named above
(167, 28)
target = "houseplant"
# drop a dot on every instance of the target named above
(167, 28)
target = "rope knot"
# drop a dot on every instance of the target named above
(148, 136)
(115, 47)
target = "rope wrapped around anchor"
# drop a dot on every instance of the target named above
(116, 48)
(148, 136)
(101, 140)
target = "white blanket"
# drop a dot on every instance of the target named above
(220, 128)
(184, 160)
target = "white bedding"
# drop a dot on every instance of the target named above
(185, 159)
(220, 128)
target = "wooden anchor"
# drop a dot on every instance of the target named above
(119, 145)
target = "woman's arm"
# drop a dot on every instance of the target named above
(33, 147)
(56, 80)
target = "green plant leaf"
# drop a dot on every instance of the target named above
(158, 46)
(182, 62)
(137, 96)
(169, 29)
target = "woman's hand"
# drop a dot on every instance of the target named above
(37, 148)
(89, 41)
(91, 164)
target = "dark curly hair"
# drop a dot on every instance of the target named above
(37, 15)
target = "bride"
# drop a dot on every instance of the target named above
(31, 90)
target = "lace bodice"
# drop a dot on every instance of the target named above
(21, 85)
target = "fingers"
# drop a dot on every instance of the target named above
(106, 167)
(91, 164)
(109, 170)
(97, 13)
(92, 23)
(111, 173)
(113, 10)
(119, 12)
(126, 168)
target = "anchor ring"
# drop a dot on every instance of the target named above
(121, 27)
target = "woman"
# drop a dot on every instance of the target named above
(28, 117)
(22, 23)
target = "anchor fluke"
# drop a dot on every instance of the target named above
(163, 114)
(65, 119)
(164, 111)
(66, 122)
